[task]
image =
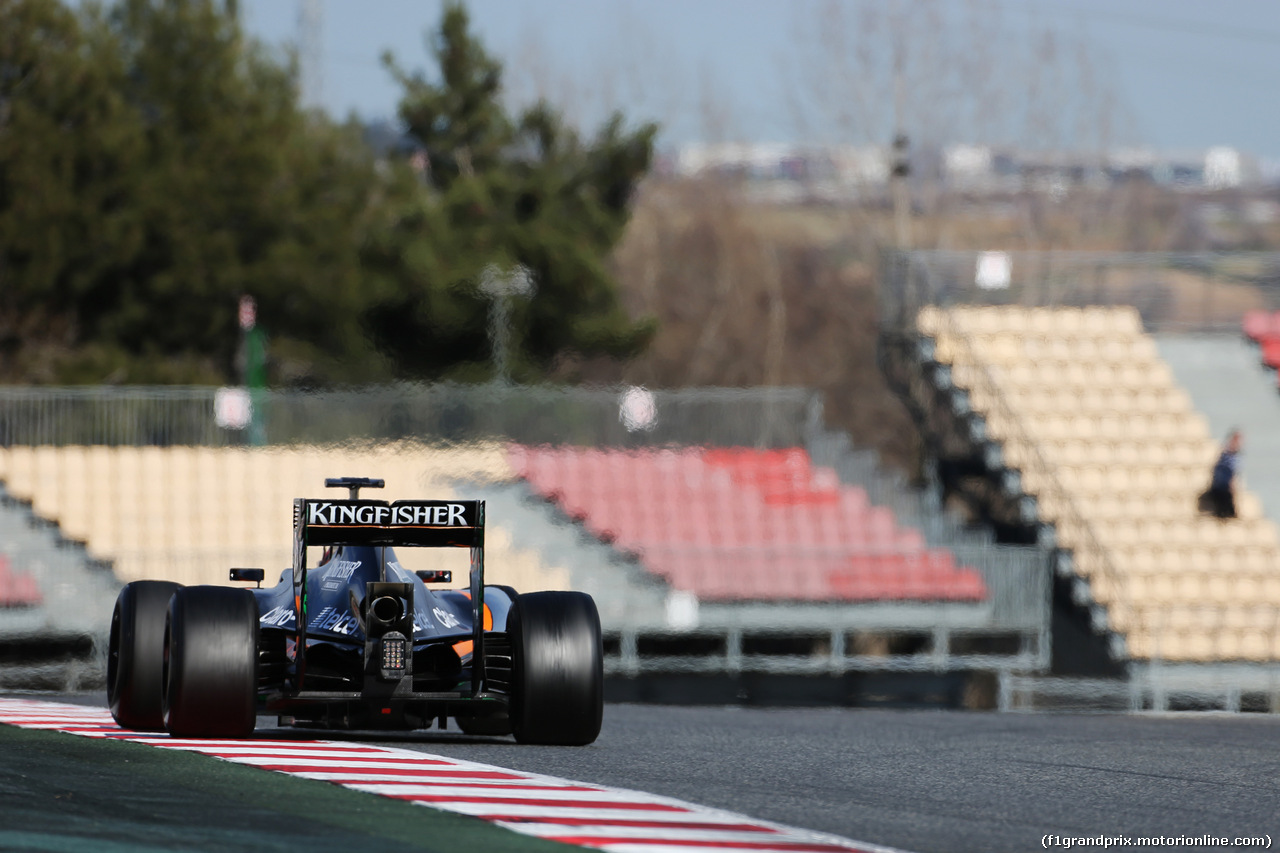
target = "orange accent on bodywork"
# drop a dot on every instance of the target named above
(466, 647)
(488, 614)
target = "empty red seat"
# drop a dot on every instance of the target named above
(967, 585)
(1256, 325)
(741, 523)
(1271, 352)
(25, 591)
(17, 588)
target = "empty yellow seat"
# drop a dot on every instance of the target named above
(1090, 397)
(189, 514)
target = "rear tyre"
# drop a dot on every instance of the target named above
(558, 669)
(211, 648)
(509, 590)
(135, 655)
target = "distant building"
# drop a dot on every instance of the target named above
(784, 171)
(1226, 167)
(985, 169)
(817, 166)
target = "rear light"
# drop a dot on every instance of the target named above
(392, 651)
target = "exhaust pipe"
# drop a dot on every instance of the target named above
(385, 611)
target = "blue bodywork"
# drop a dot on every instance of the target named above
(340, 580)
(360, 641)
(335, 688)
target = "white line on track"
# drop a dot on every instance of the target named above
(368, 775)
(580, 813)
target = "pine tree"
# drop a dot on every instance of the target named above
(68, 148)
(506, 191)
(154, 167)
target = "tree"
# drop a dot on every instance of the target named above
(154, 167)
(68, 146)
(497, 189)
(242, 193)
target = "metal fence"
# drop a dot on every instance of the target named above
(632, 417)
(1190, 292)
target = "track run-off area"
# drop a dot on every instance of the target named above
(659, 778)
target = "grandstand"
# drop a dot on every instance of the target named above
(1226, 383)
(187, 514)
(790, 568)
(823, 567)
(1115, 455)
(743, 524)
(1072, 425)
(51, 604)
(17, 588)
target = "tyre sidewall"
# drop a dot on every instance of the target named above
(211, 643)
(135, 655)
(558, 678)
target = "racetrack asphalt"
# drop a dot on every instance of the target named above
(928, 781)
(922, 780)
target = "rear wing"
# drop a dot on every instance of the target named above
(438, 524)
(431, 524)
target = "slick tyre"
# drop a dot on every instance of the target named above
(135, 655)
(211, 655)
(509, 590)
(557, 669)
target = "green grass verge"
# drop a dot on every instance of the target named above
(68, 793)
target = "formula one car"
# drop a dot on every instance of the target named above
(359, 642)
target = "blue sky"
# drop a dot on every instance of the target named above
(1183, 74)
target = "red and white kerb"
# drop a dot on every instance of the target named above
(578, 813)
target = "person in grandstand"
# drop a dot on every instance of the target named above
(1220, 498)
